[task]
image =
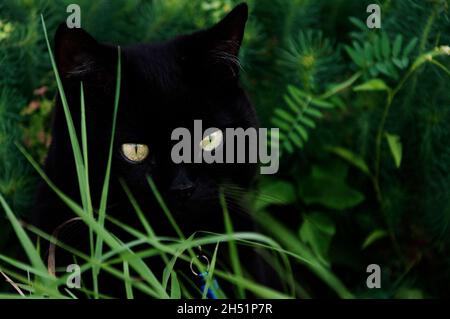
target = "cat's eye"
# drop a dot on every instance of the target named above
(212, 141)
(135, 153)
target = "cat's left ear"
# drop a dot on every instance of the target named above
(227, 35)
(78, 55)
(224, 41)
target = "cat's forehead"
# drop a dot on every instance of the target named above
(155, 92)
(153, 66)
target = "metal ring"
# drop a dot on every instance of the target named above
(201, 257)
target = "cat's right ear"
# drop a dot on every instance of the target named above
(76, 52)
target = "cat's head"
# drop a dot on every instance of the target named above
(164, 86)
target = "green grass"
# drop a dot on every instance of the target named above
(126, 260)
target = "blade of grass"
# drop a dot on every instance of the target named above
(89, 207)
(294, 244)
(128, 286)
(100, 263)
(70, 293)
(136, 262)
(165, 208)
(90, 261)
(250, 239)
(29, 278)
(175, 290)
(105, 190)
(168, 270)
(185, 293)
(138, 210)
(24, 267)
(39, 289)
(259, 290)
(70, 125)
(25, 241)
(210, 275)
(233, 251)
(81, 159)
(79, 165)
(194, 287)
(172, 221)
(142, 219)
(224, 238)
(12, 283)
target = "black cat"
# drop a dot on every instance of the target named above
(164, 86)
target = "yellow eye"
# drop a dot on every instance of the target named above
(135, 152)
(212, 141)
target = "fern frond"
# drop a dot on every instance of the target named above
(310, 57)
(298, 118)
(382, 56)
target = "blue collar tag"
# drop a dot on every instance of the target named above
(214, 287)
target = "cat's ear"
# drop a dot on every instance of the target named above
(227, 35)
(223, 42)
(76, 52)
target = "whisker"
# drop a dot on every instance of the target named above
(234, 207)
(260, 196)
(236, 190)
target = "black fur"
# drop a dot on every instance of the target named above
(164, 86)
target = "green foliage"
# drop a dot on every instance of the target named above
(395, 145)
(382, 56)
(374, 236)
(337, 194)
(295, 122)
(274, 191)
(398, 77)
(372, 85)
(351, 158)
(310, 56)
(15, 180)
(318, 230)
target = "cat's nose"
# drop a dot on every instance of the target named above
(183, 192)
(182, 187)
